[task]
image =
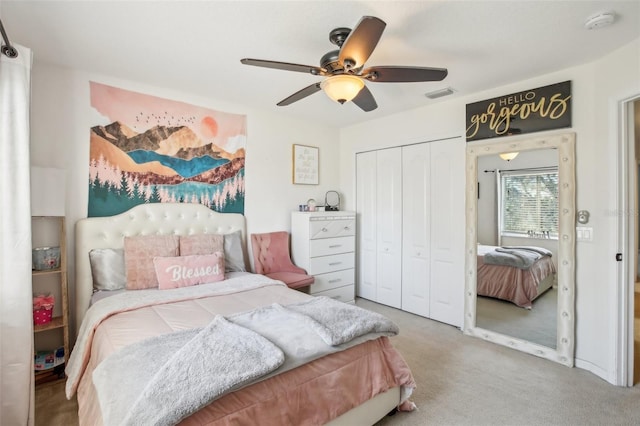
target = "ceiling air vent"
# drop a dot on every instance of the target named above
(440, 93)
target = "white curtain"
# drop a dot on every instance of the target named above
(16, 318)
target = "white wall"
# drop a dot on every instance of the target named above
(61, 118)
(596, 88)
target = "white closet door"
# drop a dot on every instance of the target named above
(389, 227)
(416, 229)
(447, 234)
(366, 171)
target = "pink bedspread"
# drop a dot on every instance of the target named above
(512, 284)
(312, 394)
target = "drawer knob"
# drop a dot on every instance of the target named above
(346, 228)
(334, 263)
(335, 246)
(335, 281)
(324, 229)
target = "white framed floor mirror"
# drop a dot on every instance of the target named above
(500, 321)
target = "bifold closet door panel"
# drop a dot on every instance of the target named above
(366, 271)
(416, 222)
(447, 233)
(389, 227)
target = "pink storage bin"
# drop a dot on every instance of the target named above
(42, 309)
(42, 316)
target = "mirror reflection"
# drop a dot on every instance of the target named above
(517, 235)
(510, 203)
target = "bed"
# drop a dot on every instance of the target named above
(357, 381)
(519, 285)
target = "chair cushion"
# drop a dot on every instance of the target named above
(292, 279)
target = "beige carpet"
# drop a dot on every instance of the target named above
(463, 381)
(537, 325)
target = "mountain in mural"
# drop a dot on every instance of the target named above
(176, 154)
(178, 141)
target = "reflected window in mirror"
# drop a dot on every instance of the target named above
(528, 205)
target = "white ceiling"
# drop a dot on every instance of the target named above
(196, 47)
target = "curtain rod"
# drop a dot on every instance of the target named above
(7, 49)
(540, 169)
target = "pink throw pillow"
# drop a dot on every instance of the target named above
(201, 244)
(185, 271)
(139, 252)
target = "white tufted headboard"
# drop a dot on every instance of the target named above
(145, 219)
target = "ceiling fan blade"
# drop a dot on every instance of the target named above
(301, 94)
(286, 66)
(404, 74)
(361, 41)
(365, 100)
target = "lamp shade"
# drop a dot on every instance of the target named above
(508, 156)
(342, 88)
(47, 191)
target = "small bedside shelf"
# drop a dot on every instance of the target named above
(46, 272)
(57, 322)
(54, 281)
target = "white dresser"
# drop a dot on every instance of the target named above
(324, 243)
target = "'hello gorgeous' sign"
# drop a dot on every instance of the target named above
(543, 108)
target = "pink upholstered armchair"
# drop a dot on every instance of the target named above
(271, 258)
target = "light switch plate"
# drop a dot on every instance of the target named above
(584, 233)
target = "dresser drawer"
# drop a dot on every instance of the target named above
(329, 246)
(332, 228)
(343, 294)
(337, 262)
(333, 280)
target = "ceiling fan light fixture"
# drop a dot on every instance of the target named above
(508, 156)
(342, 88)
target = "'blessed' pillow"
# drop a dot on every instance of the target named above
(185, 271)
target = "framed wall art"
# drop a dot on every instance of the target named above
(305, 165)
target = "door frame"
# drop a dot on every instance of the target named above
(627, 227)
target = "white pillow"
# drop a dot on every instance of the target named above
(107, 269)
(233, 254)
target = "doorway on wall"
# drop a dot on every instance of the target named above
(633, 140)
(629, 237)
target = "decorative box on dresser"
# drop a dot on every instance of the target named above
(324, 244)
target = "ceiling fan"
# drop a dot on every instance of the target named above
(344, 68)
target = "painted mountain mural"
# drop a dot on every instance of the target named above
(157, 150)
(163, 164)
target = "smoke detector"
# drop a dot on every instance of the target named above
(600, 20)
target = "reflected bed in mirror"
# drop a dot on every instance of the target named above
(520, 260)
